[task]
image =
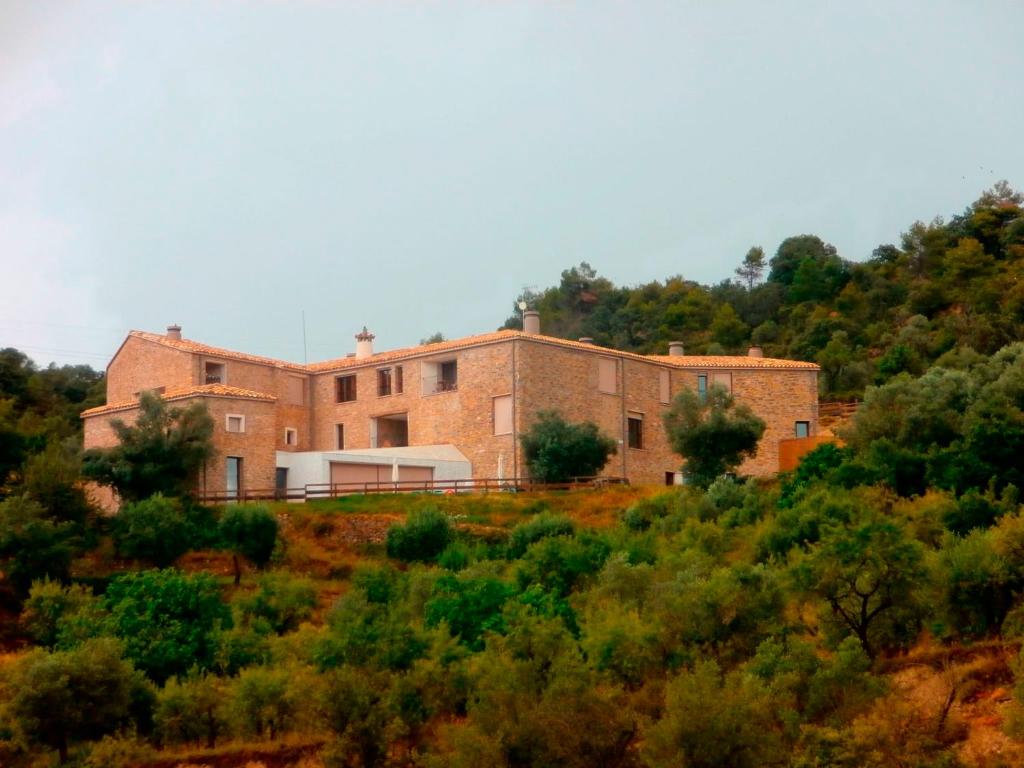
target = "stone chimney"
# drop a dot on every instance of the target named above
(755, 352)
(531, 322)
(675, 349)
(174, 332)
(586, 340)
(364, 343)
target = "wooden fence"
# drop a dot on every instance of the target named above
(314, 491)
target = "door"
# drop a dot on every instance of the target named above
(281, 482)
(234, 478)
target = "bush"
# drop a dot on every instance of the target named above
(556, 451)
(155, 530)
(470, 607)
(282, 600)
(540, 527)
(59, 616)
(425, 535)
(168, 620)
(249, 531)
(559, 564)
(190, 711)
(641, 515)
(31, 545)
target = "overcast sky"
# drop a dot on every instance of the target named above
(412, 166)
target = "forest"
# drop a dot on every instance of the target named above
(866, 609)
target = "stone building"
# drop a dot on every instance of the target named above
(445, 411)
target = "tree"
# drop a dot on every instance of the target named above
(191, 710)
(281, 600)
(167, 620)
(868, 573)
(727, 328)
(250, 531)
(31, 545)
(56, 616)
(713, 720)
(434, 338)
(423, 537)
(752, 268)
(68, 695)
(834, 359)
(53, 478)
(161, 453)
(154, 530)
(711, 433)
(556, 451)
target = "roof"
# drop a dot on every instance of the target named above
(187, 345)
(181, 393)
(733, 361)
(341, 363)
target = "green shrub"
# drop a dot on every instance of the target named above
(542, 526)
(191, 711)
(556, 451)
(154, 530)
(168, 620)
(425, 535)
(249, 531)
(282, 600)
(642, 514)
(558, 564)
(470, 607)
(59, 616)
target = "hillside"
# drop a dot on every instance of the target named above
(947, 290)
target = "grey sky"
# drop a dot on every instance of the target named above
(412, 165)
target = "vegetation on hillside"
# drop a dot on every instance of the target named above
(948, 289)
(863, 610)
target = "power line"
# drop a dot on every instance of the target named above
(59, 351)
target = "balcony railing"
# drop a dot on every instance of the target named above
(433, 385)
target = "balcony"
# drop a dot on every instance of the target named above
(440, 377)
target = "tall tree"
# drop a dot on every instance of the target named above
(711, 433)
(752, 268)
(556, 450)
(161, 453)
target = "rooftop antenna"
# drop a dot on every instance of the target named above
(305, 356)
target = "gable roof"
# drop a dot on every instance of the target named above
(182, 393)
(423, 350)
(187, 345)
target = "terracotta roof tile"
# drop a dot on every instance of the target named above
(180, 393)
(341, 363)
(733, 361)
(187, 345)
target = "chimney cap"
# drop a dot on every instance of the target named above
(365, 335)
(174, 331)
(755, 352)
(675, 349)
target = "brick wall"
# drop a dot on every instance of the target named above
(141, 365)
(255, 446)
(462, 417)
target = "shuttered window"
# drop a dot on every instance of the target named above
(606, 376)
(502, 415)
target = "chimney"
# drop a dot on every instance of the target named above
(364, 343)
(174, 332)
(586, 340)
(755, 352)
(675, 349)
(531, 322)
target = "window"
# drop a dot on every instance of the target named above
(384, 381)
(803, 428)
(399, 384)
(215, 373)
(606, 378)
(636, 430)
(234, 423)
(295, 390)
(234, 476)
(664, 387)
(339, 436)
(440, 376)
(281, 482)
(345, 391)
(502, 414)
(448, 380)
(702, 385)
(291, 436)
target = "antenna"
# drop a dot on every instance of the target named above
(305, 356)
(522, 306)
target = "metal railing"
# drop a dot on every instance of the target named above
(314, 491)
